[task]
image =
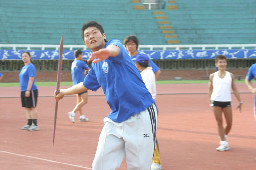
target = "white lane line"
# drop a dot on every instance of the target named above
(42, 159)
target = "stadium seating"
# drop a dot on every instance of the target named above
(183, 21)
(214, 22)
(44, 21)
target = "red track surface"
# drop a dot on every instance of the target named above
(186, 133)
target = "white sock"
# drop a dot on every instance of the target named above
(225, 143)
(72, 113)
(226, 137)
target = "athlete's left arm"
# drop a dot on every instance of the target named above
(236, 92)
(30, 83)
(103, 54)
(157, 73)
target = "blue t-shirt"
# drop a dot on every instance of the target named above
(77, 70)
(122, 84)
(1, 74)
(252, 72)
(26, 72)
(155, 68)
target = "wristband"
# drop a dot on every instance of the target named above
(27, 90)
(241, 102)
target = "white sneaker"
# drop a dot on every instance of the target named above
(83, 118)
(26, 127)
(71, 116)
(33, 128)
(156, 166)
(223, 148)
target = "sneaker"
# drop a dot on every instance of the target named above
(33, 128)
(71, 116)
(83, 118)
(26, 127)
(156, 166)
(223, 148)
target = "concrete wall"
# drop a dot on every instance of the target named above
(45, 76)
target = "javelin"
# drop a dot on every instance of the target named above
(58, 86)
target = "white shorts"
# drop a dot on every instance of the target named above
(133, 139)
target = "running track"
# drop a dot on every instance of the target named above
(186, 132)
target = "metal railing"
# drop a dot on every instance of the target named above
(144, 47)
(198, 46)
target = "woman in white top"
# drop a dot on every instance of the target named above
(220, 85)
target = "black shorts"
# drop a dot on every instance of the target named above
(30, 101)
(79, 94)
(220, 104)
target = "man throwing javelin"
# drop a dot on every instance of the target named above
(129, 129)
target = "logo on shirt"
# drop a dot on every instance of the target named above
(105, 67)
(74, 66)
(24, 70)
(146, 135)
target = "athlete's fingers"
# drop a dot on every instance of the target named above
(58, 95)
(90, 58)
(96, 61)
(100, 55)
(239, 107)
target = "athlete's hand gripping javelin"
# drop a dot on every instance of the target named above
(69, 91)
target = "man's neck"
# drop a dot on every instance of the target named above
(133, 53)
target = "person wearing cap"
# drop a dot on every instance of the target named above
(148, 77)
(147, 74)
(131, 44)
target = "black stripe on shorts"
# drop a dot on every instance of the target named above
(153, 113)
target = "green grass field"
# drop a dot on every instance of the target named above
(16, 84)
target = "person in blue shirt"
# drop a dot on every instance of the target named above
(78, 70)
(131, 43)
(29, 92)
(129, 129)
(1, 76)
(249, 77)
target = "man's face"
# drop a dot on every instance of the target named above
(221, 64)
(94, 39)
(131, 46)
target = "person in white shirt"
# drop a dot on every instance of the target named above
(148, 77)
(220, 84)
(147, 74)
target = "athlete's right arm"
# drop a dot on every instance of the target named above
(72, 90)
(103, 54)
(210, 87)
